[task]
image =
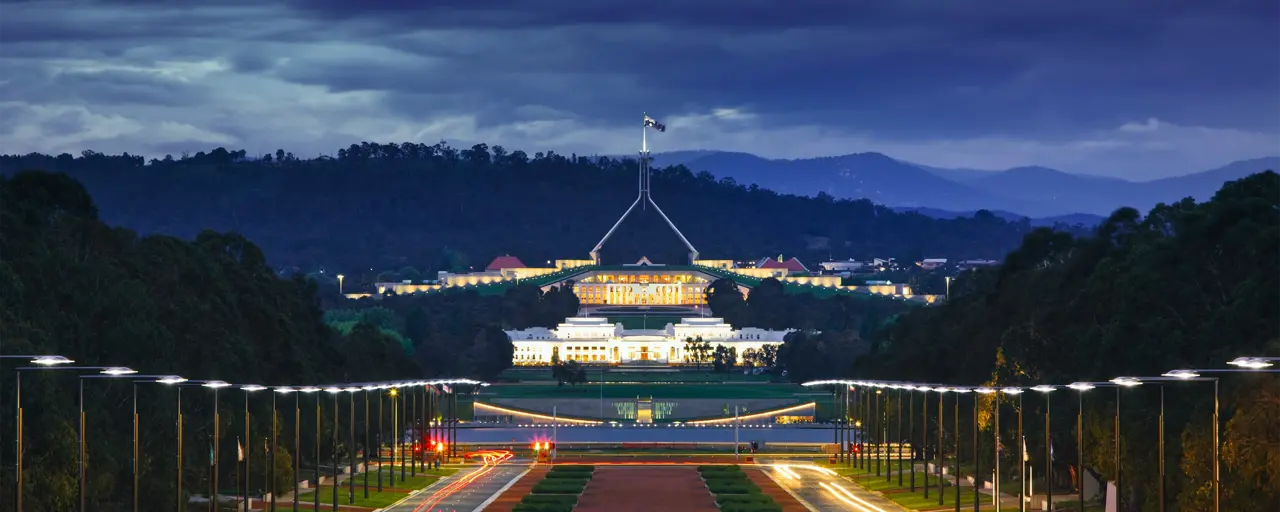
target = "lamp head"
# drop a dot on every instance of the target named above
(985, 391)
(333, 390)
(1127, 382)
(215, 384)
(171, 379)
(253, 387)
(284, 390)
(1043, 388)
(309, 389)
(1080, 386)
(1181, 374)
(1252, 363)
(1012, 391)
(118, 370)
(50, 360)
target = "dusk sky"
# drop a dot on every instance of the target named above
(1136, 89)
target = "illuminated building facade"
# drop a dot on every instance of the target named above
(596, 340)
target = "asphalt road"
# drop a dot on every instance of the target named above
(820, 489)
(463, 491)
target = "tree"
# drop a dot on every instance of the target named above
(568, 372)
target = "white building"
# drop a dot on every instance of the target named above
(842, 266)
(596, 340)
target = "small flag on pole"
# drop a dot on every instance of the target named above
(1025, 456)
(650, 122)
(239, 451)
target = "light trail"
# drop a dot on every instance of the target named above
(861, 504)
(491, 461)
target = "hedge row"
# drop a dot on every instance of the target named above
(734, 492)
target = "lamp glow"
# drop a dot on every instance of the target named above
(171, 379)
(1127, 382)
(333, 390)
(215, 384)
(118, 370)
(1081, 386)
(1182, 374)
(1012, 391)
(985, 391)
(309, 389)
(1043, 388)
(352, 389)
(50, 360)
(1253, 363)
(960, 390)
(284, 390)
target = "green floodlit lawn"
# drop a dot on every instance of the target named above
(657, 390)
(692, 374)
(422, 479)
(376, 499)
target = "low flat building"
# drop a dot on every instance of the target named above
(597, 340)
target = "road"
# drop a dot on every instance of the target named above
(820, 488)
(463, 491)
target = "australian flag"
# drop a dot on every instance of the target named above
(650, 122)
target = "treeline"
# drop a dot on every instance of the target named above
(1187, 286)
(830, 332)
(461, 330)
(210, 308)
(378, 207)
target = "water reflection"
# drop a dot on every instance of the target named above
(658, 434)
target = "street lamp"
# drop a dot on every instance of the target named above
(1253, 363)
(1120, 383)
(297, 444)
(245, 451)
(956, 420)
(43, 361)
(351, 447)
(1048, 445)
(1022, 448)
(995, 461)
(333, 454)
(316, 477)
(340, 277)
(215, 385)
(1081, 387)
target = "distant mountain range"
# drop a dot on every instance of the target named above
(1037, 192)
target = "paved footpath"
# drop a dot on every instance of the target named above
(645, 489)
(509, 498)
(463, 491)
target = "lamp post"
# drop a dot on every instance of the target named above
(351, 446)
(248, 454)
(899, 436)
(215, 385)
(297, 444)
(956, 420)
(995, 429)
(380, 432)
(977, 465)
(924, 436)
(1048, 449)
(941, 493)
(1120, 383)
(340, 277)
(333, 452)
(41, 362)
(911, 422)
(315, 477)
(1081, 387)
(367, 389)
(1022, 447)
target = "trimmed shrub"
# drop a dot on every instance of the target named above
(742, 498)
(549, 499)
(750, 507)
(733, 488)
(572, 468)
(561, 475)
(728, 469)
(542, 507)
(559, 487)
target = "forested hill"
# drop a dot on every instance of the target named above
(1186, 286)
(434, 207)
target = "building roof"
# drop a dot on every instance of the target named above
(792, 265)
(503, 262)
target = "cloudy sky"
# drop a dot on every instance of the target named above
(1132, 88)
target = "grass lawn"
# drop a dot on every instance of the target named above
(692, 374)
(657, 390)
(376, 499)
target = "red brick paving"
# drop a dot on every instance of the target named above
(645, 489)
(512, 496)
(775, 491)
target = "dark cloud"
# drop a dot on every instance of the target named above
(932, 74)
